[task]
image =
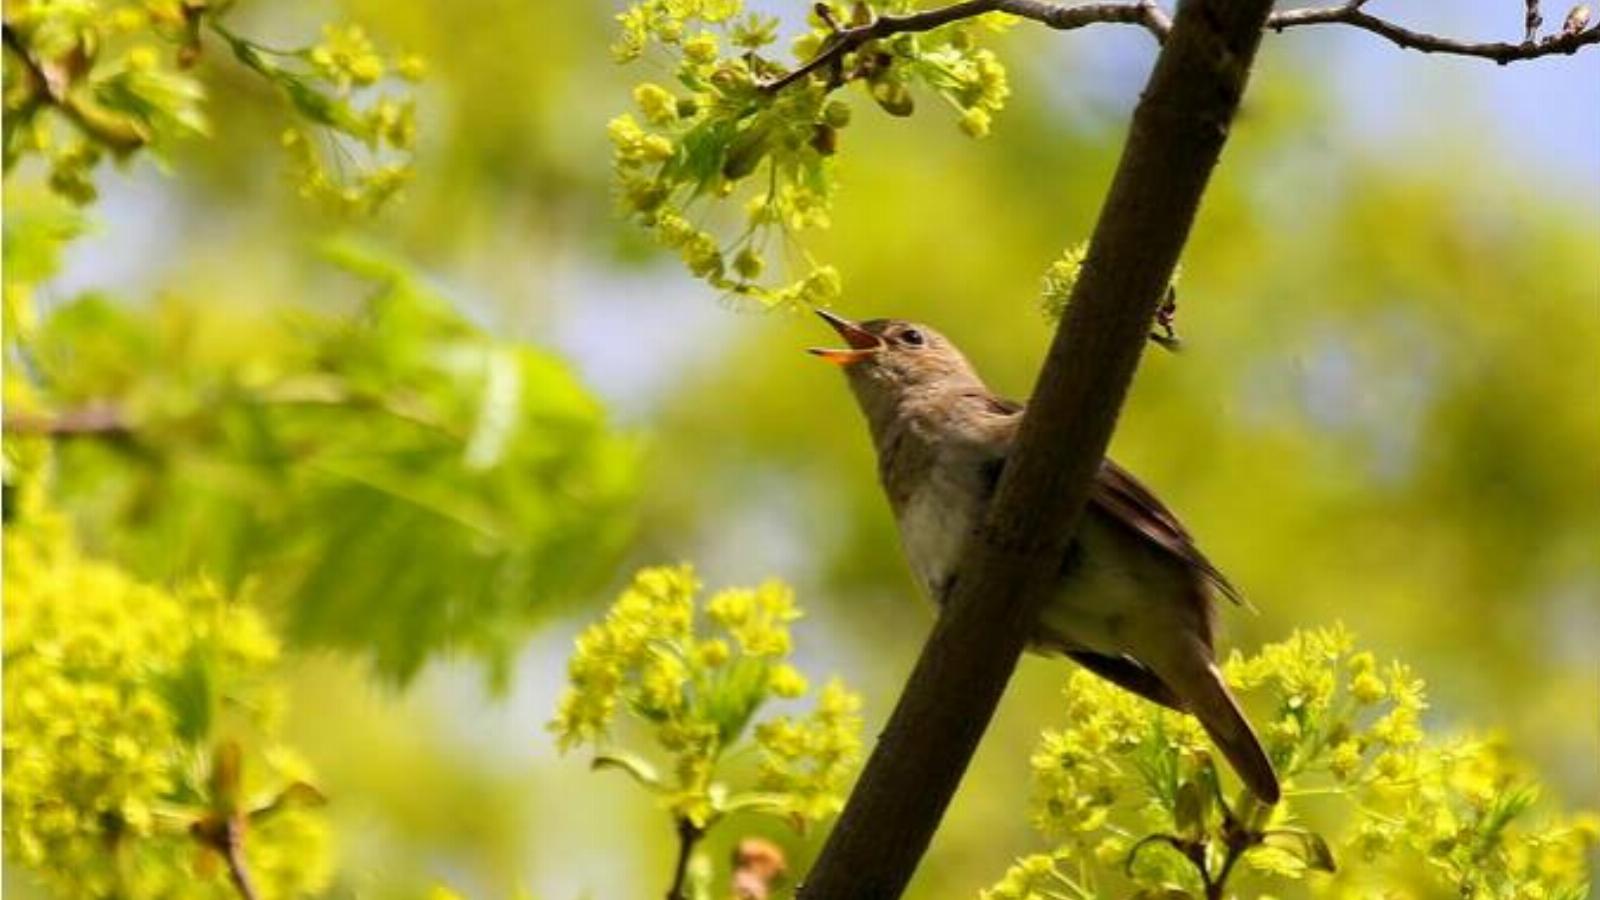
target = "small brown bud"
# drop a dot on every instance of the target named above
(758, 865)
(825, 139)
(1577, 20)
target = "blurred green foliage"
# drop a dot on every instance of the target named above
(113, 689)
(1383, 414)
(395, 480)
(88, 79)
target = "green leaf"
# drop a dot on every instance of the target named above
(191, 695)
(636, 767)
(36, 227)
(411, 484)
(317, 106)
(730, 696)
(227, 777)
(1188, 812)
(1318, 854)
(298, 795)
(770, 803)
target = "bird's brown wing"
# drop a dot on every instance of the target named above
(1120, 496)
(1130, 503)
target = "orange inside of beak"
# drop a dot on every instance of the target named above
(863, 343)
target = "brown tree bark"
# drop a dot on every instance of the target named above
(1177, 134)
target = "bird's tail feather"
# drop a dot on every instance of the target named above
(1207, 697)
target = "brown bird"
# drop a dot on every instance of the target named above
(1136, 603)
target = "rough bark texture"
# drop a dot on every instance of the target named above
(1176, 136)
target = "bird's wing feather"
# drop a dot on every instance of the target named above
(1121, 497)
(1129, 674)
(1132, 504)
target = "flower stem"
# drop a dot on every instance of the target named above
(689, 834)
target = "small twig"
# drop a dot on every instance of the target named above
(845, 40)
(689, 834)
(233, 854)
(1146, 14)
(1150, 16)
(1216, 887)
(1054, 15)
(94, 121)
(100, 420)
(1501, 52)
(14, 43)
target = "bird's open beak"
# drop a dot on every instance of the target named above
(863, 343)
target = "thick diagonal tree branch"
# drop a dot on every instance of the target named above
(1011, 562)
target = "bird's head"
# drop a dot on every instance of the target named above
(888, 361)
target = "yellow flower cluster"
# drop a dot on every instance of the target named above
(338, 98)
(134, 96)
(1062, 276)
(142, 92)
(1035, 877)
(811, 758)
(619, 657)
(347, 57)
(694, 686)
(727, 129)
(1462, 810)
(1121, 754)
(1129, 792)
(110, 687)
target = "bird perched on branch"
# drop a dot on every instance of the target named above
(1136, 600)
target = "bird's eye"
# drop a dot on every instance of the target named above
(912, 337)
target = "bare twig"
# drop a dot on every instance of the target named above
(233, 853)
(688, 835)
(100, 420)
(1501, 52)
(845, 40)
(1216, 887)
(13, 42)
(1058, 16)
(1150, 16)
(1146, 13)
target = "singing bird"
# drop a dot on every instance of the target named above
(1136, 600)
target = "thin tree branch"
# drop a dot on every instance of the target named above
(1146, 13)
(1150, 16)
(845, 40)
(101, 420)
(113, 131)
(1567, 42)
(233, 853)
(1060, 17)
(1216, 889)
(688, 836)
(1010, 563)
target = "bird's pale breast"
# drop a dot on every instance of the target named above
(935, 520)
(1118, 596)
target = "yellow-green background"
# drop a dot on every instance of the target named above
(1387, 414)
